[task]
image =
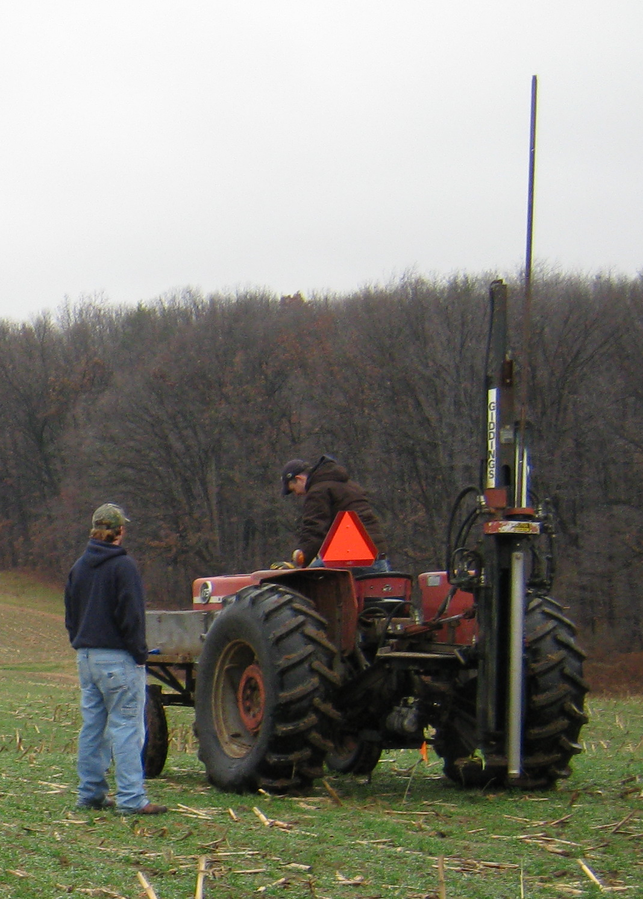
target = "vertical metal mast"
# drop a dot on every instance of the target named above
(520, 498)
(532, 173)
(518, 561)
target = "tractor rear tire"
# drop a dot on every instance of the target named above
(156, 733)
(553, 716)
(264, 693)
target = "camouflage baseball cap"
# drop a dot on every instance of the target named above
(109, 515)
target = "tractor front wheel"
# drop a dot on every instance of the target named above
(264, 691)
(352, 754)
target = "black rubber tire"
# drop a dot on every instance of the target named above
(264, 691)
(554, 708)
(456, 738)
(156, 733)
(352, 754)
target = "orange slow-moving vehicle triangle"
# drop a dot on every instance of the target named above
(347, 543)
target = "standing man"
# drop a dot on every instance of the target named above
(105, 619)
(327, 490)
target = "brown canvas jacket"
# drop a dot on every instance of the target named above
(329, 490)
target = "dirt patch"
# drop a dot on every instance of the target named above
(33, 638)
(619, 674)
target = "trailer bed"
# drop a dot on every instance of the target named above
(176, 637)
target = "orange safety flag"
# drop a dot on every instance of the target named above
(424, 752)
(347, 543)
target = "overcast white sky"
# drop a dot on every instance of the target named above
(149, 145)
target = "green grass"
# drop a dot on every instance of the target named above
(22, 589)
(384, 839)
(32, 633)
(348, 838)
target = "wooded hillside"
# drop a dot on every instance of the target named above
(185, 409)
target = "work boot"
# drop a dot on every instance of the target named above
(151, 809)
(147, 809)
(97, 805)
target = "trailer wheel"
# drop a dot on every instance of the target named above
(264, 690)
(156, 733)
(554, 708)
(352, 754)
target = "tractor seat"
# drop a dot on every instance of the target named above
(385, 591)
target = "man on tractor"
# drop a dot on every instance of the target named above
(327, 490)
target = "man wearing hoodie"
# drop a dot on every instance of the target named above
(105, 619)
(327, 490)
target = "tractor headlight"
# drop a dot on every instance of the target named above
(205, 592)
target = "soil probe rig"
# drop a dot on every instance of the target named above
(292, 670)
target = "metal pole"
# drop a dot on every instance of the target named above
(532, 179)
(526, 319)
(515, 700)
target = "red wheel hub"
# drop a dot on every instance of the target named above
(251, 698)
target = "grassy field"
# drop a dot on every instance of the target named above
(407, 834)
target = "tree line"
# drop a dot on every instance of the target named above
(184, 409)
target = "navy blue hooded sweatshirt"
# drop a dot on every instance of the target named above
(104, 602)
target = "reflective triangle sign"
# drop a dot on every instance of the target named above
(347, 543)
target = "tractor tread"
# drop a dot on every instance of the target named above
(326, 673)
(301, 691)
(289, 627)
(295, 658)
(272, 628)
(290, 758)
(292, 728)
(320, 638)
(554, 714)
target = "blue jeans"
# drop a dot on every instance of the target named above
(112, 703)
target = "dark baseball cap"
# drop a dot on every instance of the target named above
(109, 515)
(290, 471)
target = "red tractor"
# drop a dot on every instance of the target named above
(294, 670)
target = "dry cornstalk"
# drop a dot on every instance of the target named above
(588, 871)
(194, 811)
(101, 892)
(147, 886)
(332, 793)
(198, 893)
(442, 886)
(395, 811)
(558, 821)
(349, 881)
(408, 786)
(265, 821)
(620, 824)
